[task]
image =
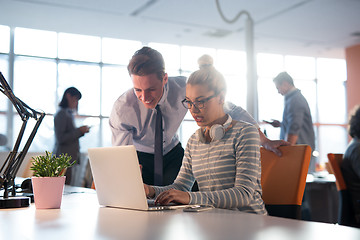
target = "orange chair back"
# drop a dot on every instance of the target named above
(283, 179)
(335, 160)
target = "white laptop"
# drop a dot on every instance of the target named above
(117, 177)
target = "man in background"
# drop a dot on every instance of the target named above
(296, 126)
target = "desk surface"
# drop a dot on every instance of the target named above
(80, 217)
(322, 177)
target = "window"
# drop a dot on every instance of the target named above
(46, 63)
(331, 103)
(86, 78)
(190, 55)
(105, 133)
(115, 81)
(79, 47)
(232, 64)
(4, 39)
(332, 92)
(44, 138)
(4, 70)
(34, 81)
(268, 66)
(117, 51)
(321, 81)
(171, 55)
(3, 126)
(300, 67)
(35, 42)
(92, 138)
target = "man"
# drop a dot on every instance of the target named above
(297, 125)
(133, 117)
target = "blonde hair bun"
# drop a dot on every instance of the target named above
(205, 61)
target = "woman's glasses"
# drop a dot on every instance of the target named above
(198, 104)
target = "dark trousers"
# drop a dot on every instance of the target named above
(68, 174)
(171, 165)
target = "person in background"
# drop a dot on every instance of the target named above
(296, 126)
(3, 140)
(132, 119)
(66, 133)
(350, 166)
(223, 155)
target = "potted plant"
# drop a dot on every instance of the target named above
(48, 179)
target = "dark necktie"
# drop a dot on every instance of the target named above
(158, 153)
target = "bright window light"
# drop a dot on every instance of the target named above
(115, 81)
(170, 53)
(267, 91)
(190, 56)
(4, 70)
(300, 67)
(118, 51)
(98, 69)
(35, 42)
(86, 78)
(4, 39)
(35, 81)
(331, 69)
(331, 89)
(79, 47)
(269, 65)
(231, 62)
(331, 139)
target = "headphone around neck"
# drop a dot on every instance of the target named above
(216, 132)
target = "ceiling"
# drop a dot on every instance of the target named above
(320, 28)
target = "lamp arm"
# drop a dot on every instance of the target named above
(14, 160)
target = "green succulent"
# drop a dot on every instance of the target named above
(50, 165)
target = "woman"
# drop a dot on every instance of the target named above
(222, 156)
(66, 134)
(350, 166)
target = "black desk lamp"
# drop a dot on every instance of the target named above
(13, 162)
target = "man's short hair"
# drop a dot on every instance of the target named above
(283, 77)
(147, 61)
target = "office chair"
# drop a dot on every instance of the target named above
(283, 180)
(345, 211)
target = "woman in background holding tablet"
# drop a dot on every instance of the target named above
(223, 155)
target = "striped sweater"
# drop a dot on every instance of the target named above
(228, 170)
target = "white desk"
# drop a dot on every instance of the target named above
(80, 217)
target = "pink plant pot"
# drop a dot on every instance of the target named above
(48, 191)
